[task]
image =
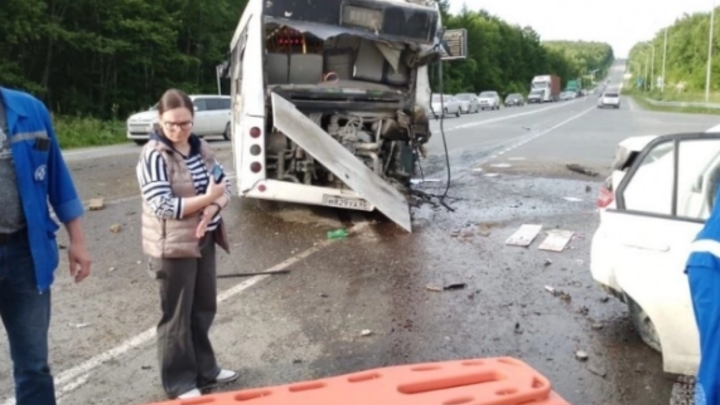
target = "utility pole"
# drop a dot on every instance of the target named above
(662, 87)
(709, 62)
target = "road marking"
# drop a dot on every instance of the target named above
(507, 117)
(72, 378)
(532, 137)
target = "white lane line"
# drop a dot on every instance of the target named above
(533, 137)
(507, 117)
(71, 379)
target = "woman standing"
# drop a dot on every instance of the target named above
(184, 189)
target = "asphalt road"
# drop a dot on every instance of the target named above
(310, 323)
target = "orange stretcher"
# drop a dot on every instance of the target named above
(491, 381)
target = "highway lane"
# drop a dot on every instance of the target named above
(309, 323)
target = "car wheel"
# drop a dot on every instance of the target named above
(457, 114)
(228, 133)
(643, 324)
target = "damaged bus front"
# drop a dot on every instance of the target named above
(330, 101)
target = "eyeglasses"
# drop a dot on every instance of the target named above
(177, 125)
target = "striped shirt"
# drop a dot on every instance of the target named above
(156, 190)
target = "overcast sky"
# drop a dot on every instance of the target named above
(621, 23)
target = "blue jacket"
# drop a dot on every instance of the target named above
(42, 176)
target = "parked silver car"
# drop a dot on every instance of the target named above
(469, 103)
(450, 106)
(489, 100)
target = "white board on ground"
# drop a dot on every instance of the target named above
(341, 162)
(556, 240)
(524, 236)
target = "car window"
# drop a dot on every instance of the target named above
(657, 187)
(215, 104)
(487, 94)
(200, 104)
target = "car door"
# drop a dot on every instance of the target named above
(218, 114)
(662, 204)
(202, 124)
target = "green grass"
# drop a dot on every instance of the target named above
(639, 97)
(78, 132)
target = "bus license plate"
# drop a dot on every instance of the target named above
(342, 202)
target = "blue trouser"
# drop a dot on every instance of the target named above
(25, 313)
(705, 292)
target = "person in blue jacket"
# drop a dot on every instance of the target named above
(33, 173)
(703, 271)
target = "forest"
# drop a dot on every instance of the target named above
(686, 58)
(94, 62)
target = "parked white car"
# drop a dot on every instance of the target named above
(609, 99)
(212, 117)
(450, 105)
(468, 103)
(653, 205)
(489, 100)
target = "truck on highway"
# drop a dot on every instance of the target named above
(573, 86)
(545, 88)
(330, 100)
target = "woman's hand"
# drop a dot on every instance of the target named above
(208, 214)
(216, 190)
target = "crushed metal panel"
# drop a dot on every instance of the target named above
(320, 145)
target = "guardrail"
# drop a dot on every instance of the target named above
(682, 104)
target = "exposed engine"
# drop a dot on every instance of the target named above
(389, 145)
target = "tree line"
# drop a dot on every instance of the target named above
(108, 58)
(505, 57)
(685, 59)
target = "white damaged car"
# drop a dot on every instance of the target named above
(660, 193)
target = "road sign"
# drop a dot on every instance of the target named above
(454, 44)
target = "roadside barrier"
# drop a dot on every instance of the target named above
(491, 381)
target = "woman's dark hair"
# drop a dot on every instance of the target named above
(175, 98)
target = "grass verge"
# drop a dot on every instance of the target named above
(79, 132)
(640, 99)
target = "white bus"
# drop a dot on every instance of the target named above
(330, 100)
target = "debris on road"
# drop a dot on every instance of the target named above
(559, 293)
(572, 199)
(491, 175)
(556, 240)
(477, 169)
(337, 234)
(96, 204)
(501, 165)
(366, 332)
(579, 169)
(421, 181)
(524, 236)
(80, 325)
(455, 286)
(253, 274)
(433, 288)
(581, 355)
(548, 262)
(597, 371)
(588, 189)
(115, 228)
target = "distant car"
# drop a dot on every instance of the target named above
(514, 99)
(610, 99)
(468, 103)
(450, 106)
(212, 117)
(660, 192)
(536, 96)
(489, 100)
(567, 95)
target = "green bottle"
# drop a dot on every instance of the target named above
(337, 234)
